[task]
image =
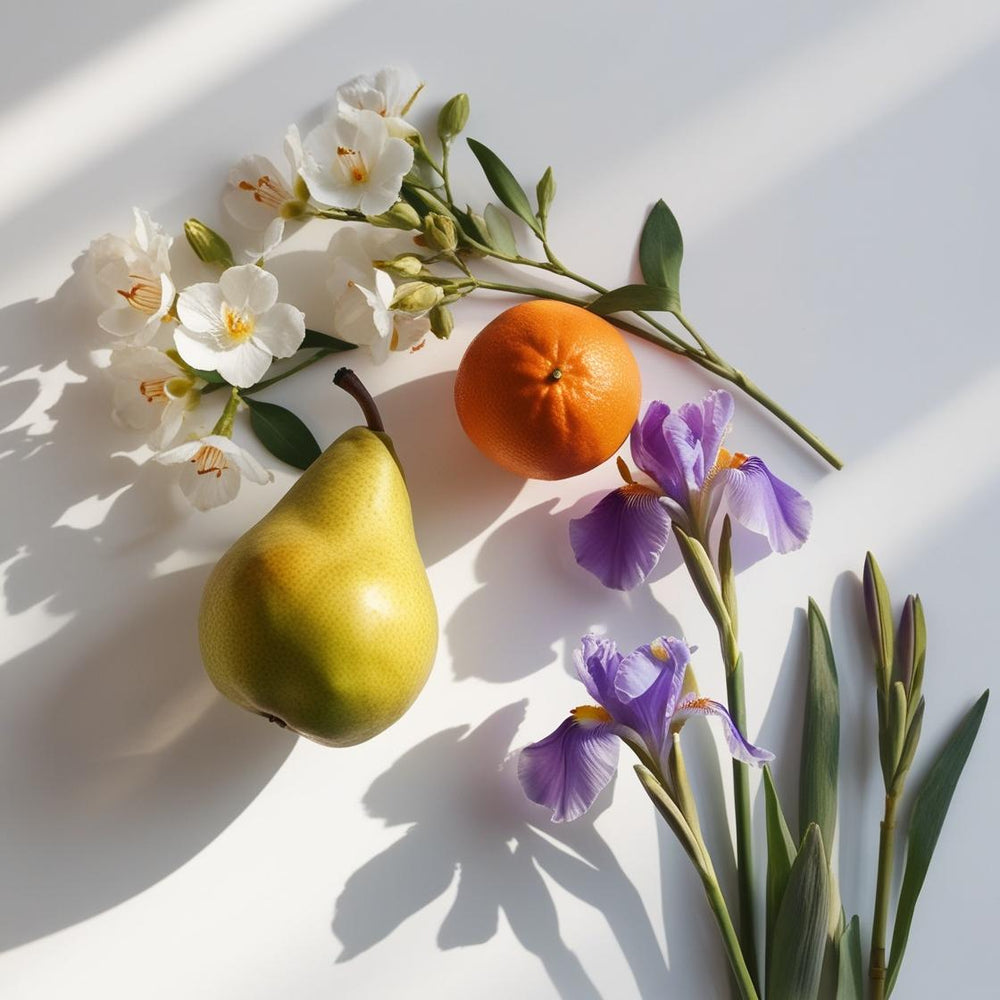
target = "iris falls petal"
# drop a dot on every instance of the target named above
(767, 505)
(738, 744)
(621, 539)
(566, 771)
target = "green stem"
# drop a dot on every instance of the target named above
(224, 425)
(883, 886)
(736, 698)
(318, 356)
(745, 979)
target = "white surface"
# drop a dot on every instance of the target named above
(835, 177)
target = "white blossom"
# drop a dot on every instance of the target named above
(258, 191)
(355, 164)
(152, 392)
(134, 277)
(211, 469)
(363, 295)
(236, 326)
(389, 93)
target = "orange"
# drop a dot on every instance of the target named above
(547, 390)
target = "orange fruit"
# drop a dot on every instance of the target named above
(548, 390)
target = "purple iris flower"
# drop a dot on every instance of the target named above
(621, 539)
(640, 701)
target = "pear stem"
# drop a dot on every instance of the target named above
(349, 382)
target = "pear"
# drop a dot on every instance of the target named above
(321, 617)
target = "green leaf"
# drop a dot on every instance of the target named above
(820, 735)
(670, 811)
(505, 185)
(634, 298)
(325, 342)
(661, 250)
(780, 856)
(213, 377)
(282, 433)
(702, 574)
(501, 235)
(850, 979)
(929, 810)
(800, 930)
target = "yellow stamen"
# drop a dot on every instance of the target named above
(698, 704)
(590, 713)
(353, 163)
(210, 459)
(144, 295)
(154, 389)
(267, 191)
(239, 325)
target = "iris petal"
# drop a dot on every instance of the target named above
(621, 539)
(694, 434)
(765, 504)
(597, 663)
(653, 455)
(738, 745)
(567, 770)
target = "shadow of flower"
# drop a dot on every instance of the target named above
(466, 815)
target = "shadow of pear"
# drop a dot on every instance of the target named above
(455, 491)
(119, 761)
(466, 816)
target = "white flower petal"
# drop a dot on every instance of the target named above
(195, 350)
(241, 458)
(209, 490)
(171, 418)
(248, 287)
(183, 452)
(199, 308)
(293, 148)
(281, 330)
(123, 321)
(409, 330)
(243, 365)
(353, 319)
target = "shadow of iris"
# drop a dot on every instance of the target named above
(465, 816)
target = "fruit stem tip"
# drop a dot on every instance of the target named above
(350, 383)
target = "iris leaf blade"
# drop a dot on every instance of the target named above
(818, 774)
(800, 930)
(929, 811)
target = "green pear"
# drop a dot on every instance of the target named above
(321, 617)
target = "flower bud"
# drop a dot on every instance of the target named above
(416, 297)
(440, 232)
(208, 244)
(878, 608)
(442, 321)
(401, 216)
(453, 117)
(403, 266)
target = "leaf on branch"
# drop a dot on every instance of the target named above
(634, 298)
(498, 227)
(282, 433)
(850, 977)
(505, 185)
(324, 341)
(929, 810)
(661, 249)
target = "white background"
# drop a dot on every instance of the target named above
(835, 174)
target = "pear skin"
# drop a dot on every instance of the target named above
(321, 617)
